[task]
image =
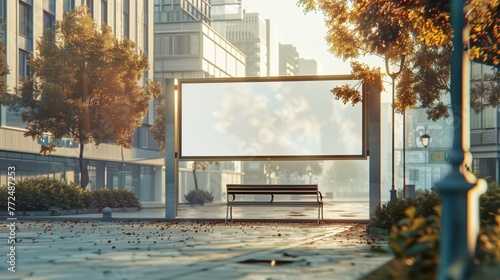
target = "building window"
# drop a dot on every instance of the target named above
(2, 9)
(49, 6)
(2, 18)
(485, 119)
(90, 6)
(182, 44)
(25, 19)
(104, 11)
(48, 20)
(146, 27)
(126, 18)
(485, 168)
(69, 5)
(24, 67)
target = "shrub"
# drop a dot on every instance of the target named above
(199, 197)
(415, 243)
(490, 204)
(127, 198)
(488, 253)
(390, 213)
(102, 198)
(415, 238)
(42, 193)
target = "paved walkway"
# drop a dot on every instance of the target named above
(261, 244)
(91, 249)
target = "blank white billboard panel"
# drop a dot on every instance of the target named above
(268, 118)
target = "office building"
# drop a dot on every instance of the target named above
(308, 66)
(186, 46)
(255, 36)
(110, 166)
(288, 60)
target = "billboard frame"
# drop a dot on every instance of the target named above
(362, 156)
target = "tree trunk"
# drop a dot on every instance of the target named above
(194, 177)
(84, 173)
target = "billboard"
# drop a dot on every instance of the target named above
(269, 118)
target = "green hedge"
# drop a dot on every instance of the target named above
(391, 213)
(425, 202)
(42, 193)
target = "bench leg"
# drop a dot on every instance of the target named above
(231, 211)
(320, 210)
(227, 210)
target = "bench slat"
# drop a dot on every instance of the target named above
(268, 192)
(274, 203)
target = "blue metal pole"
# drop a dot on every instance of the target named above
(171, 160)
(455, 256)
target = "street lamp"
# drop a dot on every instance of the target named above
(310, 176)
(425, 142)
(393, 76)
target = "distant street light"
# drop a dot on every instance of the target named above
(425, 142)
(393, 75)
(310, 176)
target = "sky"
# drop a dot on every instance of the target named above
(307, 32)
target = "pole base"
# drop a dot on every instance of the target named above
(394, 194)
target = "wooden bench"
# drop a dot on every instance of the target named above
(237, 196)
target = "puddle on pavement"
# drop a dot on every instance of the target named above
(296, 214)
(268, 262)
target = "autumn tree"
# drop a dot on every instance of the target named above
(85, 86)
(4, 69)
(201, 165)
(420, 31)
(158, 128)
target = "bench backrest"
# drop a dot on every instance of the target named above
(271, 189)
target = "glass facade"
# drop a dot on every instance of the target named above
(108, 175)
(182, 10)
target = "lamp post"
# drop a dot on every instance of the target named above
(393, 76)
(425, 142)
(310, 173)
